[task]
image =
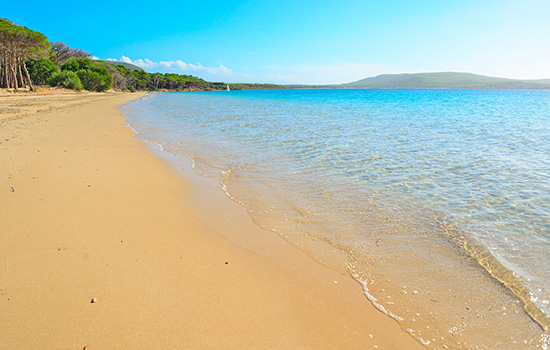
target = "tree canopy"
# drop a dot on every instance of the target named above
(41, 70)
(17, 44)
(94, 76)
(61, 52)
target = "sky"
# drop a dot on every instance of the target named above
(305, 41)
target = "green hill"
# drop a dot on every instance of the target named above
(127, 65)
(446, 80)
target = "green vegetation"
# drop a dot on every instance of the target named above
(119, 82)
(445, 81)
(57, 64)
(67, 79)
(94, 76)
(125, 64)
(41, 70)
(17, 45)
(141, 80)
(250, 86)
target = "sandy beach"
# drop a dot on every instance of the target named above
(90, 213)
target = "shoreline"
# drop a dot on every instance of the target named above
(305, 205)
(92, 212)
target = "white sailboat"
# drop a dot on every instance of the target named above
(227, 87)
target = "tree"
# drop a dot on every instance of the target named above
(95, 81)
(61, 52)
(94, 76)
(41, 70)
(119, 80)
(17, 45)
(67, 79)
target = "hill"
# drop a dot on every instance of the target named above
(127, 65)
(447, 80)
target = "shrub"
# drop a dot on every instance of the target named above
(41, 70)
(94, 80)
(119, 81)
(94, 76)
(131, 88)
(66, 79)
(76, 64)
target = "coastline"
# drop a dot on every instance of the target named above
(90, 212)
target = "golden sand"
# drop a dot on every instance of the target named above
(103, 245)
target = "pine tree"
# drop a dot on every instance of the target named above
(18, 44)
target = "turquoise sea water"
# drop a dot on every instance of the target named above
(441, 198)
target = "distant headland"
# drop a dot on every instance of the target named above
(446, 80)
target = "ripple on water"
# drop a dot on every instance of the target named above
(439, 197)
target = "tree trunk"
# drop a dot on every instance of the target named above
(8, 73)
(2, 73)
(28, 76)
(21, 82)
(5, 73)
(13, 73)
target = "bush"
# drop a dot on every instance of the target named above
(119, 81)
(76, 64)
(94, 76)
(131, 88)
(66, 79)
(95, 81)
(41, 70)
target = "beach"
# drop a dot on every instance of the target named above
(104, 245)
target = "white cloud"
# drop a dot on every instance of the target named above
(176, 66)
(124, 59)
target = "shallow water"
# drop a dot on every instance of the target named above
(441, 198)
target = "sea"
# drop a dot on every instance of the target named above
(440, 199)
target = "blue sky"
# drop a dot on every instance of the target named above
(309, 42)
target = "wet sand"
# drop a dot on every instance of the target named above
(90, 213)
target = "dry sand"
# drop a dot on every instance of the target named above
(87, 211)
